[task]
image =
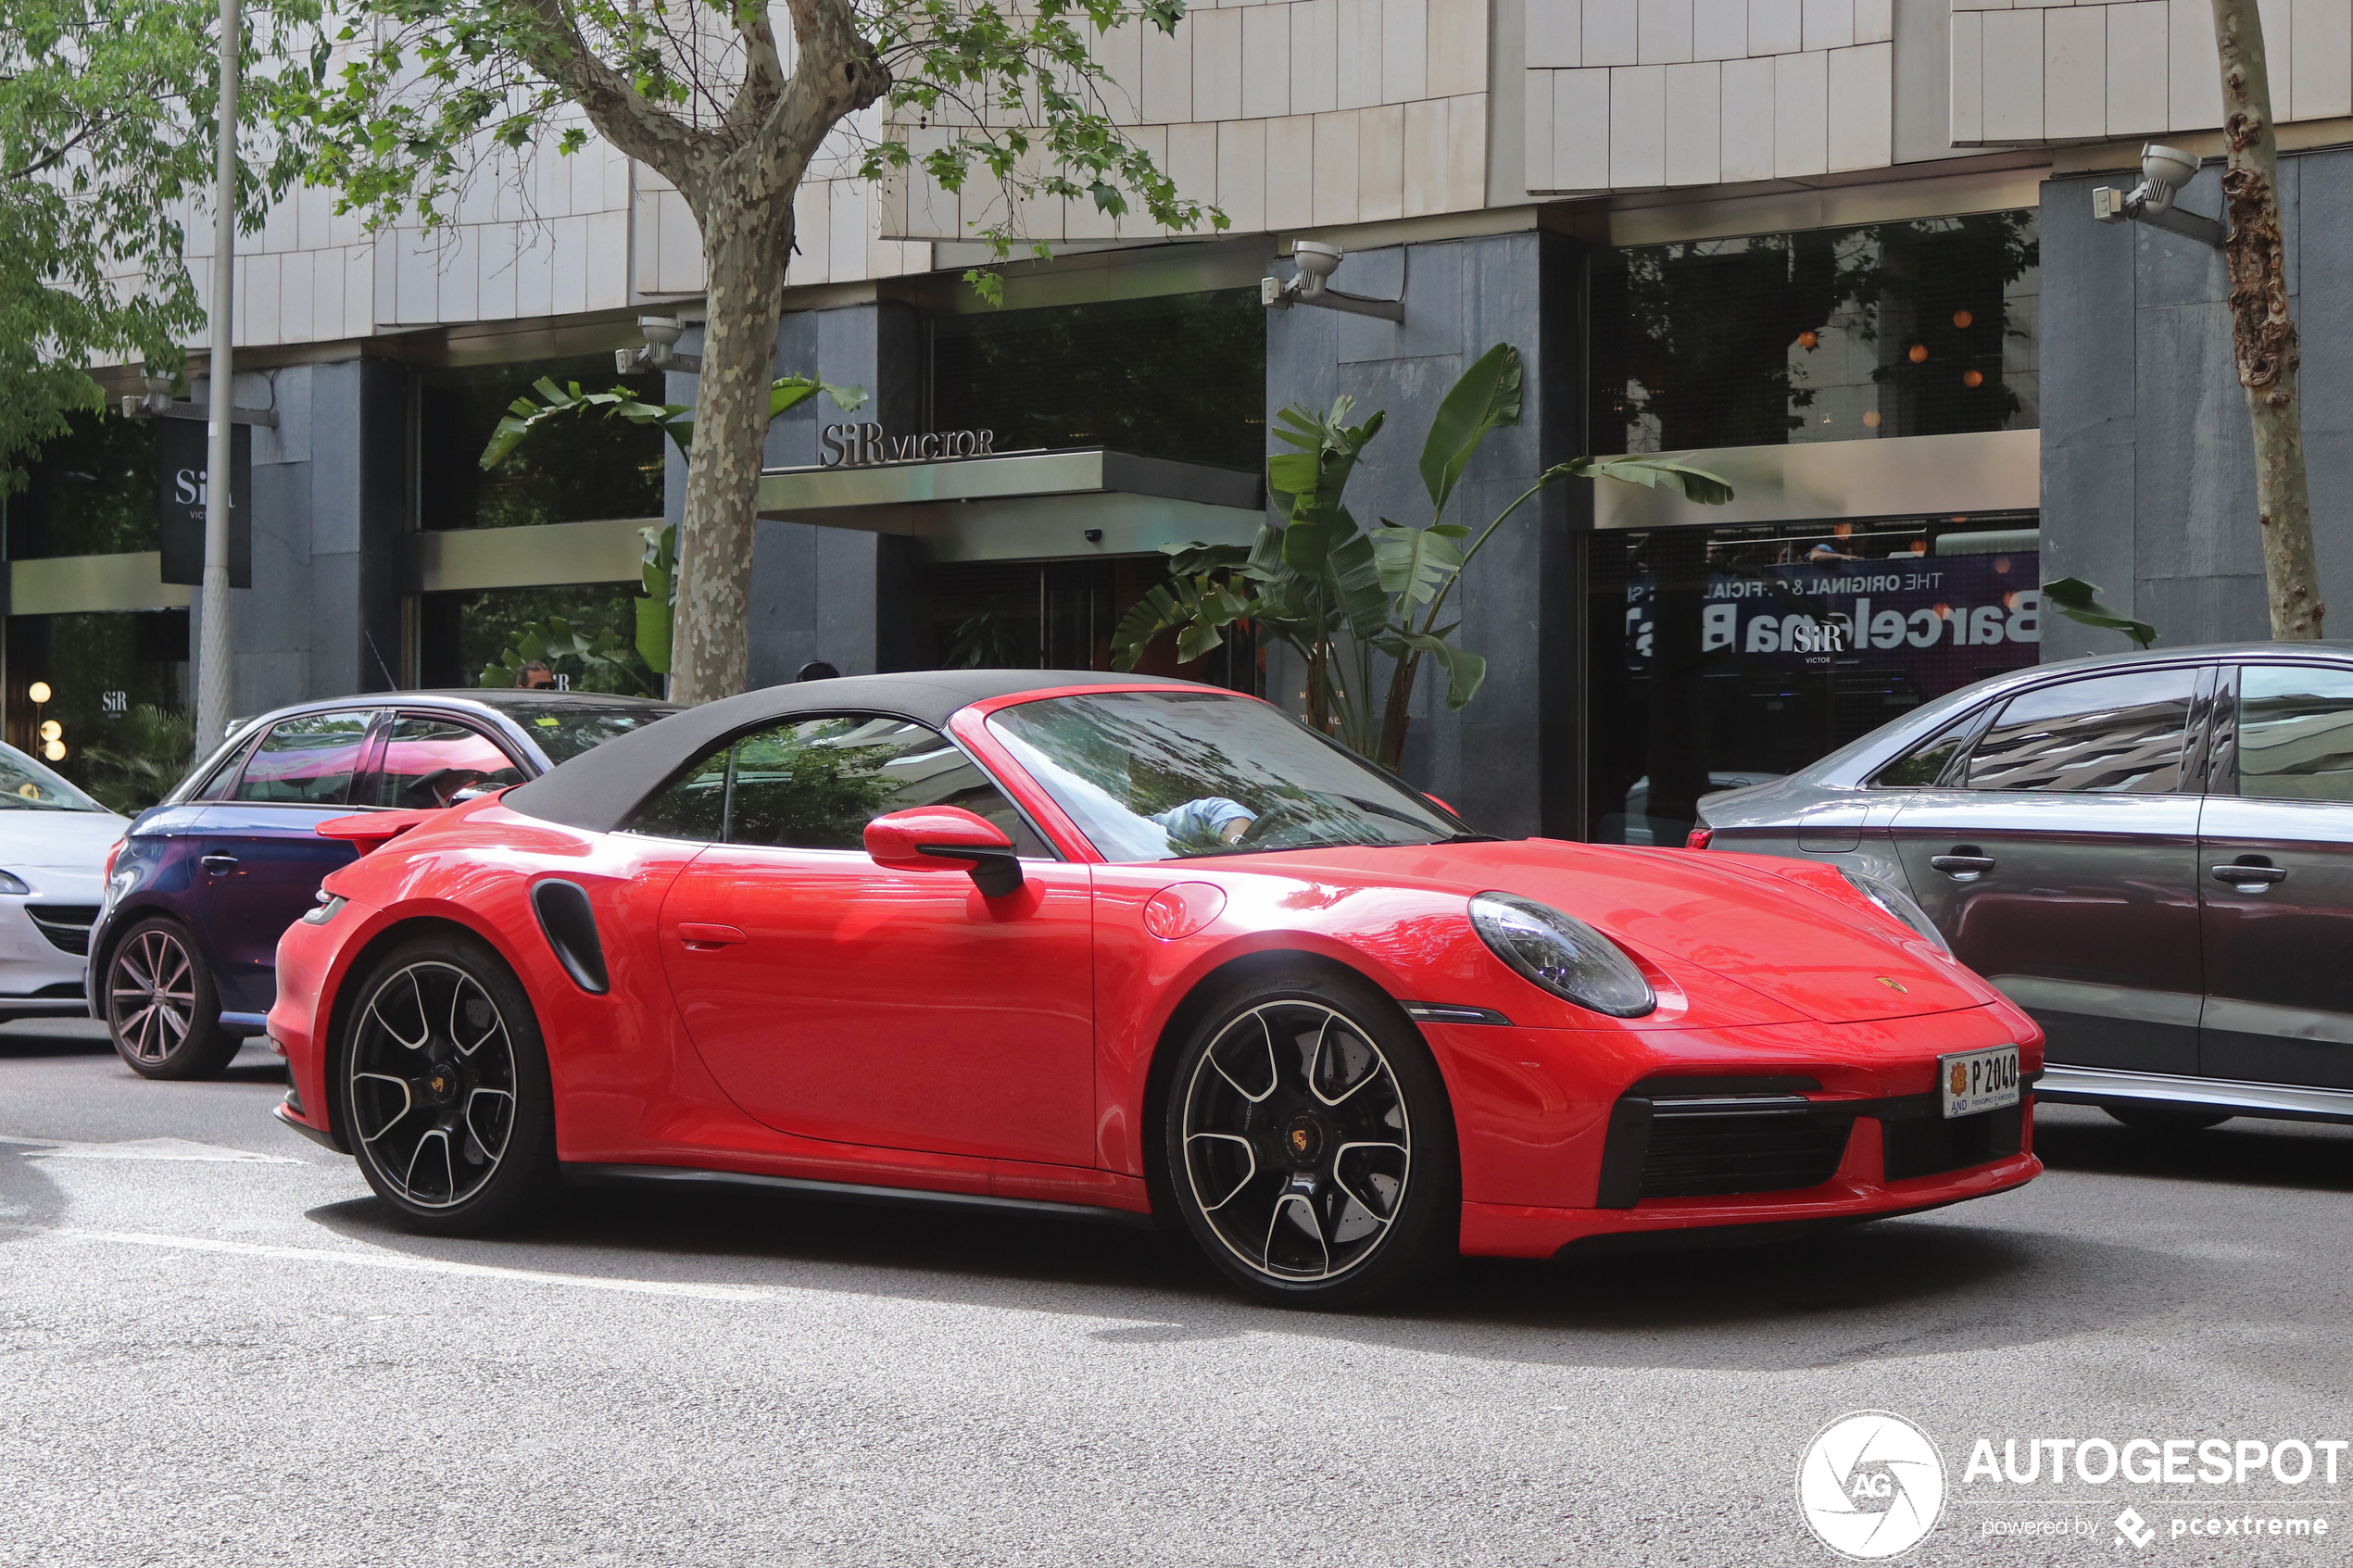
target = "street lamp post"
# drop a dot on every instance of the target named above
(212, 656)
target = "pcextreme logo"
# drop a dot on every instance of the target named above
(1871, 1485)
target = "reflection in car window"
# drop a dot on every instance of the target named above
(26, 785)
(428, 761)
(1921, 767)
(2124, 735)
(566, 733)
(1164, 775)
(814, 784)
(2295, 732)
(308, 761)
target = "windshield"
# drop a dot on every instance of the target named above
(26, 785)
(565, 733)
(1170, 775)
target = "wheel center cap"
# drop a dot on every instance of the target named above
(1302, 1138)
(440, 1084)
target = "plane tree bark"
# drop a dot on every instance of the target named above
(2262, 330)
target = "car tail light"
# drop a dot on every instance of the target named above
(1699, 839)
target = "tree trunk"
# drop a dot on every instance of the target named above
(2260, 327)
(744, 249)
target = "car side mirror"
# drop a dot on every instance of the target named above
(945, 838)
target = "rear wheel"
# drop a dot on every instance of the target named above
(445, 1089)
(161, 1010)
(2166, 1118)
(1311, 1145)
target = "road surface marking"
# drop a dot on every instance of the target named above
(420, 1265)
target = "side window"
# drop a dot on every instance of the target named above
(222, 785)
(2295, 732)
(427, 761)
(306, 762)
(814, 784)
(1924, 764)
(2119, 734)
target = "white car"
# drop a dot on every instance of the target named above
(52, 852)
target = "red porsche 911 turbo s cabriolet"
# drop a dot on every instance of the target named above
(1129, 948)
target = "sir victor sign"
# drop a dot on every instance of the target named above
(184, 489)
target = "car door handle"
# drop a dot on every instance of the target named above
(218, 865)
(1962, 868)
(2250, 879)
(702, 938)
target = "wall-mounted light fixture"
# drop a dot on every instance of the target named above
(2164, 171)
(1315, 263)
(660, 352)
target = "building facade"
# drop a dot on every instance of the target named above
(1841, 249)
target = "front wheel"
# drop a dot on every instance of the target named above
(446, 1092)
(161, 1011)
(1311, 1143)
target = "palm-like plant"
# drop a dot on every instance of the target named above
(1344, 597)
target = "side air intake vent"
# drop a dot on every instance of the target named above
(571, 925)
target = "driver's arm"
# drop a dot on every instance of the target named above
(1212, 819)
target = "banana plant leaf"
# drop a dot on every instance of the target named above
(2079, 601)
(1487, 396)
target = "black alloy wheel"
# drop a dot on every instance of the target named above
(445, 1085)
(1311, 1144)
(161, 1011)
(2165, 1118)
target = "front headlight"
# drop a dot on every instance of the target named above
(1897, 902)
(11, 883)
(1562, 954)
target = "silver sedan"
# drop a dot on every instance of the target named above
(2151, 853)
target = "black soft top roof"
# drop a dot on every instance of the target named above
(599, 789)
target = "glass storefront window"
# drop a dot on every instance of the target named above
(1182, 376)
(1726, 656)
(459, 632)
(579, 469)
(90, 492)
(1925, 328)
(1058, 615)
(118, 693)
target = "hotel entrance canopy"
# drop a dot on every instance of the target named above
(1027, 506)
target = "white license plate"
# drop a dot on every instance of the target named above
(1975, 1080)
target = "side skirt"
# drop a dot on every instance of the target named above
(586, 1176)
(2101, 1085)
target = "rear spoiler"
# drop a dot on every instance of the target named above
(372, 830)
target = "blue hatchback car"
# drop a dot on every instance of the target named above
(183, 955)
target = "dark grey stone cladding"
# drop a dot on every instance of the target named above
(1508, 762)
(2148, 483)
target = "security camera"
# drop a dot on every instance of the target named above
(663, 332)
(2164, 171)
(1316, 262)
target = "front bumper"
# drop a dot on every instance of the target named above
(1567, 1135)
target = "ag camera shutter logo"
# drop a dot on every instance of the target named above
(1872, 1486)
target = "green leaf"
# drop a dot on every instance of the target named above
(1415, 562)
(1487, 396)
(2079, 601)
(1464, 671)
(1658, 474)
(1355, 573)
(653, 633)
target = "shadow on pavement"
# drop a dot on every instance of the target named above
(53, 1036)
(1859, 1294)
(2247, 1151)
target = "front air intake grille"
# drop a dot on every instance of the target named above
(1927, 1148)
(1702, 1137)
(1698, 1154)
(66, 925)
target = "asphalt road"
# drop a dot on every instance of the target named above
(214, 1351)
